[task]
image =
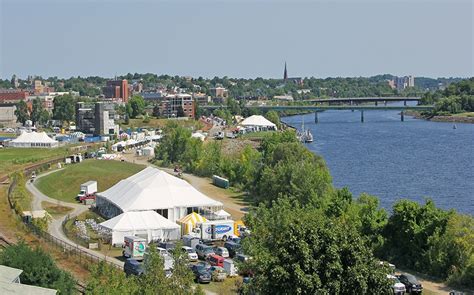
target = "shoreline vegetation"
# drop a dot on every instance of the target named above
(454, 118)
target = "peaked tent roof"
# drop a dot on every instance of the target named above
(257, 120)
(193, 217)
(34, 136)
(139, 220)
(222, 213)
(152, 189)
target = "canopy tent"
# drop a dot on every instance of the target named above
(221, 214)
(189, 222)
(33, 140)
(148, 224)
(153, 189)
(198, 135)
(259, 122)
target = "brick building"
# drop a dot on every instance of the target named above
(116, 89)
(12, 96)
(170, 106)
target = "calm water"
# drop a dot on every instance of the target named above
(392, 159)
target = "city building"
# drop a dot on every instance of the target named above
(287, 97)
(154, 96)
(97, 118)
(10, 283)
(400, 83)
(15, 81)
(171, 105)
(7, 115)
(116, 89)
(12, 96)
(297, 80)
(201, 98)
(219, 92)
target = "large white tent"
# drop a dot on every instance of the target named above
(153, 189)
(33, 140)
(146, 224)
(259, 122)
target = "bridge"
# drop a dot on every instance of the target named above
(320, 108)
(352, 100)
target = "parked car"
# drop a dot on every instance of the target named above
(192, 255)
(241, 257)
(133, 267)
(203, 251)
(201, 273)
(397, 287)
(162, 251)
(215, 260)
(168, 246)
(411, 283)
(222, 251)
(233, 248)
(218, 273)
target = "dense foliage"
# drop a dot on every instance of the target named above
(135, 106)
(38, 268)
(456, 98)
(64, 108)
(298, 250)
(106, 279)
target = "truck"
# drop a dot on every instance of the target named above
(87, 190)
(214, 230)
(134, 247)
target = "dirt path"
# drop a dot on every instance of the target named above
(55, 227)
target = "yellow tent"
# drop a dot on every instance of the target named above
(189, 221)
(237, 225)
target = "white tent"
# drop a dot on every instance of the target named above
(153, 189)
(147, 224)
(33, 140)
(221, 214)
(199, 135)
(259, 122)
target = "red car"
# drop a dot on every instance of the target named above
(216, 260)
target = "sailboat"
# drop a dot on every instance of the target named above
(305, 136)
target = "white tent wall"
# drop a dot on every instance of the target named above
(150, 234)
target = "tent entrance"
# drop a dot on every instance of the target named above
(162, 212)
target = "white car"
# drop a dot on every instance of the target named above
(221, 251)
(163, 252)
(397, 287)
(192, 255)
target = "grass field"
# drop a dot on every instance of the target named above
(256, 135)
(13, 158)
(64, 185)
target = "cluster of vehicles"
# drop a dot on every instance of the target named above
(403, 283)
(207, 262)
(87, 192)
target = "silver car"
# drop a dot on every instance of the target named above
(221, 251)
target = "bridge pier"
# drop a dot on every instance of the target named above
(376, 103)
(385, 102)
(405, 103)
(316, 119)
(402, 116)
(362, 116)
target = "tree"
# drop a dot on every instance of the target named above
(38, 113)
(297, 250)
(106, 279)
(180, 112)
(135, 106)
(156, 111)
(21, 112)
(64, 108)
(274, 118)
(173, 146)
(38, 268)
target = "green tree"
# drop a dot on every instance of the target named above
(297, 250)
(21, 112)
(274, 118)
(135, 106)
(180, 112)
(38, 268)
(64, 108)
(173, 146)
(38, 113)
(106, 279)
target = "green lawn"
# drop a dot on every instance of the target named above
(64, 185)
(160, 123)
(256, 135)
(13, 158)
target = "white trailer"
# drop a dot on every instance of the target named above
(88, 188)
(134, 247)
(229, 268)
(214, 230)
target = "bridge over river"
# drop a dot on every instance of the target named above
(319, 108)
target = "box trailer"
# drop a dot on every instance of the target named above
(229, 268)
(134, 247)
(214, 230)
(87, 189)
(220, 181)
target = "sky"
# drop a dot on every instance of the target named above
(241, 39)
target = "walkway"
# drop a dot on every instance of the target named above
(55, 227)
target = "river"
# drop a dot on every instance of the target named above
(390, 159)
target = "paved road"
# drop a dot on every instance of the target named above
(55, 227)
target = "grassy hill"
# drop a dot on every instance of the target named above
(64, 185)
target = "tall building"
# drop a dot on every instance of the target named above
(116, 89)
(219, 92)
(285, 74)
(15, 82)
(297, 80)
(98, 118)
(400, 83)
(170, 106)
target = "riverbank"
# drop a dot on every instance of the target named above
(456, 118)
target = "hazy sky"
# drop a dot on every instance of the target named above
(236, 38)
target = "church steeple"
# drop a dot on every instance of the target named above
(285, 74)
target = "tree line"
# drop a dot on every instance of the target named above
(304, 228)
(456, 98)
